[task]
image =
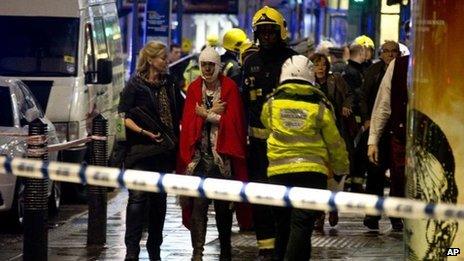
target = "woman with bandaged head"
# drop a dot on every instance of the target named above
(212, 145)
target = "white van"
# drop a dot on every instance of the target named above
(69, 53)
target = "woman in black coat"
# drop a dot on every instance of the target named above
(151, 104)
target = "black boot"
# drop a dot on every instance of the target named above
(371, 222)
(397, 223)
(224, 226)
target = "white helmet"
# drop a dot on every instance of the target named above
(323, 47)
(297, 67)
(209, 54)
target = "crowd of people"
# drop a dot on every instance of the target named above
(264, 112)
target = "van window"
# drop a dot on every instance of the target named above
(6, 109)
(113, 37)
(100, 38)
(38, 46)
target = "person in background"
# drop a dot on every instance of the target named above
(248, 49)
(212, 40)
(324, 46)
(212, 145)
(234, 41)
(369, 52)
(375, 181)
(191, 72)
(175, 53)
(153, 91)
(389, 116)
(305, 47)
(304, 145)
(354, 77)
(261, 76)
(337, 63)
(176, 69)
(339, 94)
(346, 53)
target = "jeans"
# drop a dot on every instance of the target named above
(295, 226)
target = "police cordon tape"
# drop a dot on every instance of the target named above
(230, 190)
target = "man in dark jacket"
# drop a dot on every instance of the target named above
(376, 172)
(176, 67)
(231, 67)
(389, 116)
(354, 77)
(234, 41)
(261, 74)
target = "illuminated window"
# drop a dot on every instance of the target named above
(389, 22)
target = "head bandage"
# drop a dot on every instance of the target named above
(210, 55)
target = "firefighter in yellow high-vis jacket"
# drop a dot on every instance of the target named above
(303, 148)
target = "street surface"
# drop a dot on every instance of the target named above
(349, 240)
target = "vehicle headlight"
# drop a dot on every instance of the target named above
(61, 129)
(73, 130)
(67, 131)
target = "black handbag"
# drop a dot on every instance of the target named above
(149, 148)
(147, 122)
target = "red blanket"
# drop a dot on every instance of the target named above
(231, 141)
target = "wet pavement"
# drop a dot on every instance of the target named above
(349, 240)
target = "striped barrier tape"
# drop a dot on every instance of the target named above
(231, 190)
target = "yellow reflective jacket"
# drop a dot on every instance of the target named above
(303, 136)
(192, 71)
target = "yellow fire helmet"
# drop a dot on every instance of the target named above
(268, 15)
(234, 40)
(212, 40)
(247, 49)
(186, 45)
(365, 41)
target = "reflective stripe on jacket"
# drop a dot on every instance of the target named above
(303, 136)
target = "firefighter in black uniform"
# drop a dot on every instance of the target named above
(261, 76)
(235, 42)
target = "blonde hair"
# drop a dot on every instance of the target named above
(152, 49)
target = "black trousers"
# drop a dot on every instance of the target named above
(139, 202)
(257, 172)
(375, 182)
(295, 226)
(359, 164)
(135, 220)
